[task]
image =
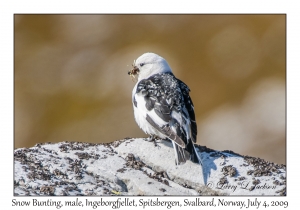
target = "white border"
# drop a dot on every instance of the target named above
(8, 8)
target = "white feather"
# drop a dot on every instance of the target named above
(150, 64)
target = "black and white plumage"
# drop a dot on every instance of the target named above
(162, 106)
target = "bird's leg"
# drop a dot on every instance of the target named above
(153, 138)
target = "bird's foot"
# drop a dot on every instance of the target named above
(153, 138)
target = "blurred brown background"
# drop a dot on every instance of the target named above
(71, 81)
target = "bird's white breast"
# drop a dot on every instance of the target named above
(140, 113)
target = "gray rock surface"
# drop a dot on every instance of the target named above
(138, 167)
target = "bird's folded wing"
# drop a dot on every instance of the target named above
(190, 109)
(162, 99)
(166, 131)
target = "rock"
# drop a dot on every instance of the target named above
(138, 167)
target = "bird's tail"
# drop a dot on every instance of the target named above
(181, 155)
(195, 156)
(188, 153)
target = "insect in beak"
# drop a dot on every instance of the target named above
(133, 71)
(131, 76)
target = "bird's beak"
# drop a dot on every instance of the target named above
(133, 72)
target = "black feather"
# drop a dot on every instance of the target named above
(166, 94)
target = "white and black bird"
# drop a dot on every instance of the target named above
(162, 106)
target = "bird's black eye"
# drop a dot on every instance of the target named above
(141, 64)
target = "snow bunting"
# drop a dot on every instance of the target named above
(162, 106)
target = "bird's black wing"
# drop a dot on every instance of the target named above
(169, 107)
(190, 108)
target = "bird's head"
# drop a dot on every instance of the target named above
(147, 65)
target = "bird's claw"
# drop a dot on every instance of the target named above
(153, 138)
